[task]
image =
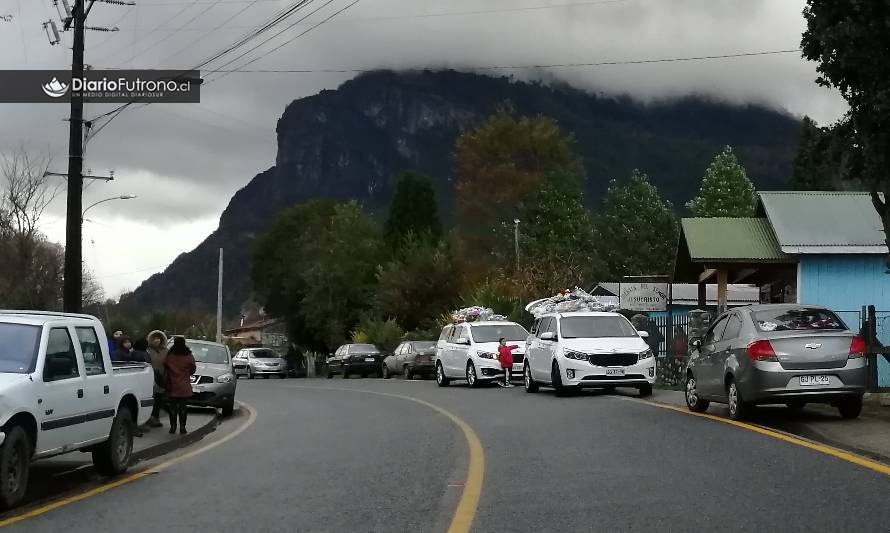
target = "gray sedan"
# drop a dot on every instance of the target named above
(768, 354)
(264, 362)
(214, 383)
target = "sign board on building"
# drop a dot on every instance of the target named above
(643, 296)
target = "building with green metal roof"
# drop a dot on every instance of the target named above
(818, 248)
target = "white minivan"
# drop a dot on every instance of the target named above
(469, 351)
(571, 351)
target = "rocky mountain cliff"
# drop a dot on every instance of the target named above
(349, 143)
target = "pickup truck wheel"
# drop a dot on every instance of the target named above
(112, 457)
(228, 409)
(441, 379)
(15, 460)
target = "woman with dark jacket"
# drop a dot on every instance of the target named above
(179, 365)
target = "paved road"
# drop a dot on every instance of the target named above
(319, 458)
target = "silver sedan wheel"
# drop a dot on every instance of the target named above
(691, 392)
(733, 399)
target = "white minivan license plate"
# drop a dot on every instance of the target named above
(614, 371)
(369, 359)
(814, 381)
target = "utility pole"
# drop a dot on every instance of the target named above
(219, 299)
(72, 292)
(516, 241)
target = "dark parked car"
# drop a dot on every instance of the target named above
(411, 358)
(362, 359)
(783, 353)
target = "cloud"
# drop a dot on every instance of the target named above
(185, 161)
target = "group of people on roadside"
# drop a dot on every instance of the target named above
(173, 367)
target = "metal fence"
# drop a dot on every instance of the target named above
(667, 327)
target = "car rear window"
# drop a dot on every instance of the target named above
(797, 319)
(363, 348)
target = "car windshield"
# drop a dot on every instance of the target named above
(363, 348)
(18, 348)
(424, 346)
(265, 354)
(210, 353)
(493, 333)
(594, 327)
(797, 319)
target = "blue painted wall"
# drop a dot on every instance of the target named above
(845, 283)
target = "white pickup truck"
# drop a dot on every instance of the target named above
(60, 392)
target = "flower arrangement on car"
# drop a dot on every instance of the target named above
(475, 314)
(569, 301)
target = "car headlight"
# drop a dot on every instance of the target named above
(225, 378)
(578, 356)
(646, 355)
(487, 355)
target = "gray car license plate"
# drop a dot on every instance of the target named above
(369, 359)
(814, 381)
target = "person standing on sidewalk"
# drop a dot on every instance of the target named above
(180, 365)
(505, 356)
(157, 355)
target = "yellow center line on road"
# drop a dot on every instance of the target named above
(463, 517)
(779, 435)
(130, 478)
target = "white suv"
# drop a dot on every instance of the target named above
(570, 351)
(469, 351)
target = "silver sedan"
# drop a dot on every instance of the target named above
(786, 353)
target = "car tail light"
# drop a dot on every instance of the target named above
(857, 347)
(761, 351)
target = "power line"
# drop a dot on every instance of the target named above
(184, 24)
(454, 13)
(324, 5)
(292, 39)
(279, 17)
(167, 21)
(218, 27)
(518, 67)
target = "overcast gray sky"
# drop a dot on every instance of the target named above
(184, 161)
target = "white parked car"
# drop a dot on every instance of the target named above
(469, 351)
(60, 392)
(571, 351)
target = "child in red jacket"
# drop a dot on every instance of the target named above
(505, 356)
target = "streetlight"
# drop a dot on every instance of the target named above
(113, 198)
(516, 241)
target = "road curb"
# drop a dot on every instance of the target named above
(181, 441)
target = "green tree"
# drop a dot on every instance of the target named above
(725, 190)
(811, 170)
(316, 269)
(636, 230)
(384, 334)
(557, 239)
(849, 40)
(497, 165)
(413, 211)
(417, 286)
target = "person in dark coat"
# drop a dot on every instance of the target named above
(180, 365)
(122, 352)
(140, 352)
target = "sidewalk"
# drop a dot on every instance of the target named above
(159, 441)
(868, 435)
